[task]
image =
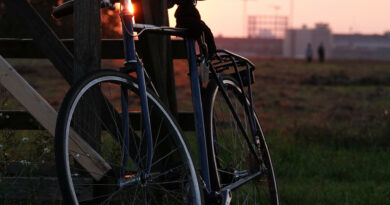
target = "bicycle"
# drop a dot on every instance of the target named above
(104, 154)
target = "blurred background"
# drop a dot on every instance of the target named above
(327, 122)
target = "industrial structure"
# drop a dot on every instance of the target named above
(337, 46)
(267, 26)
(297, 40)
(269, 36)
(358, 46)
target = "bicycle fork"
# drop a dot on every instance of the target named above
(132, 61)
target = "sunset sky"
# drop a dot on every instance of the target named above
(225, 17)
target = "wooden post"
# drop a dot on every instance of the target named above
(87, 47)
(87, 51)
(157, 50)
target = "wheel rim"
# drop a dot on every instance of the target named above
(172, 179)
(233, 158)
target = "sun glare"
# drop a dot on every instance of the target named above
(130, 8)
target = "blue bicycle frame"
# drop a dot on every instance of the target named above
(131, 60)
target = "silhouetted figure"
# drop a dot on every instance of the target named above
(309, 53)
(321, 52)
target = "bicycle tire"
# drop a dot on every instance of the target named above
(172, 180)
(228, 152)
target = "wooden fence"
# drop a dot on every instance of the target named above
(46, 44)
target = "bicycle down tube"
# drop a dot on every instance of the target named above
(198, 112)
(232, 152)
(131, 60)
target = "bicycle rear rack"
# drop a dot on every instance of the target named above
(225, 60)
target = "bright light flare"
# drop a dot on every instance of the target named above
(130, 7)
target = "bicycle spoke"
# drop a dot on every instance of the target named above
(236, 158)
(124, 183)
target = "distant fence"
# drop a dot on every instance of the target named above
(46, 44)
(111, 49)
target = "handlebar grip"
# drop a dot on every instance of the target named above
(63, 9)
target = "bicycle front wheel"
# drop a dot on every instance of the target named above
(238, 160)
(116, 170)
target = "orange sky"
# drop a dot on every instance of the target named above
(225, 17)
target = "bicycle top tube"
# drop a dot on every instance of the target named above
(180, 32)
(67, 9)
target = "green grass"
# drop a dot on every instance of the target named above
(330, 144)
(316, 173)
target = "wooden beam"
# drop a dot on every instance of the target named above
(87, 47)
(43, 169)
(111, 48)
(157, 51)
(46, 116)
(21, 120)
(27, 96)
(44, 37)
(29, 189)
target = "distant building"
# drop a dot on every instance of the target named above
(252, 47)
(337, 46)
(265, 33)
(266, 39)
(267, 26)
(357, 46)
(296, 40)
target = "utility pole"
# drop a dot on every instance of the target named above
(245, 18)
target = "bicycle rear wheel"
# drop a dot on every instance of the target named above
(231, 158)
(92, 109)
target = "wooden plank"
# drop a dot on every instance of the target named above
(46, 116)
(37, 190)
(31, 189)
(21, 120)
(44, 37)
(26, 95)
(87, 47)
(157, 51)
(111, 48)
(46, 169)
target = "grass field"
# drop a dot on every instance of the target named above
(327, 125)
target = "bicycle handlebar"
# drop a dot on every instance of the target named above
(182, 32)
(63, 9)
(67, 8)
